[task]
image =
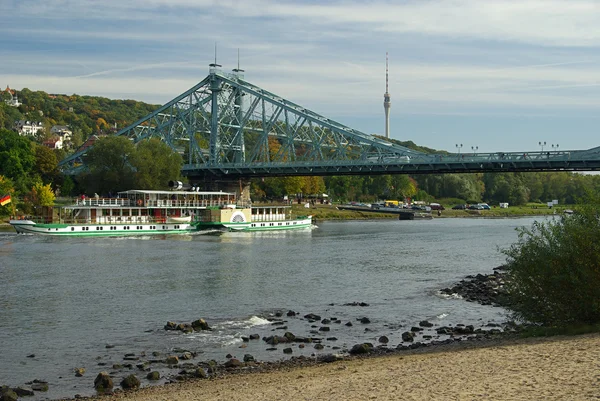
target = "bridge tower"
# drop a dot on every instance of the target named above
(387, 100)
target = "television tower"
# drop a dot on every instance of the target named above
(387, 102)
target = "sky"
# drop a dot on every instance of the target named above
(490, 75)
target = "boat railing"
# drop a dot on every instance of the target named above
(102, 202)
(163, 203)
(179, 203)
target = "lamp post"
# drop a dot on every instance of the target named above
(474, 149)
(542, 144)
(555, 147)
(459, 147)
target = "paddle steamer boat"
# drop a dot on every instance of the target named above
(134, 212)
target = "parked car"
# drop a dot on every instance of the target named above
(459, 207)
(476, 207)
(484, 205)
(436, 206)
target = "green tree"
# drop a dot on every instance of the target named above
(17, 159)
(155, 164)
(7, 188)
(110, 166)
(554, 269)
(42, 195)
(46, 163)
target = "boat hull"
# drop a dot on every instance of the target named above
(100, 230)
(270, 225)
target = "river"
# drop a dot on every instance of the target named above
(67, 303)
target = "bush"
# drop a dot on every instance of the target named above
(554, 270)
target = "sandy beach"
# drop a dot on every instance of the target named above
(558, 368)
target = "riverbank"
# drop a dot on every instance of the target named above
(523, 369)
(330, 212)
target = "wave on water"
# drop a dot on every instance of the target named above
(442, 315)
(252, 321)
(227, 333)
(448, 296)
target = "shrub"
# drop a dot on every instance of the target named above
(554, 269)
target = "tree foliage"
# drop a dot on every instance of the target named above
(155, 164)
(41, 195)
(554, 269)
(6, 188)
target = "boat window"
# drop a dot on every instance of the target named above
(72, 228)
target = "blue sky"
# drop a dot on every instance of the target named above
(497, 75)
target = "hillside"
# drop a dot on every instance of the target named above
(85, 115)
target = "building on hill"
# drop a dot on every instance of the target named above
(14, 99)
(62, 131)
(55, 142)
(26, 127)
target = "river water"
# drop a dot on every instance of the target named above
(63, 300)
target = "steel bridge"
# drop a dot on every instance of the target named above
(228, 129)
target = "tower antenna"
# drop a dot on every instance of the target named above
(387, 100)
(214, 66)
(386, 72)
(238, 71)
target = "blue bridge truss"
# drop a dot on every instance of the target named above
(227, 128)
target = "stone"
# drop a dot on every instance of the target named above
(79, 372)
(289, 336)
(7, 394)
(254, 337)
(153, 376)
(364, 320)
(130, 382)
(39, 385)
(233, 363)
(248, 358)
(384, 340)
(200, 373)
(425, 323)
(143, 366)
(23, 392)
(349, 324)
(288, 350)
(200, 324)
(290, 313)
(325, 328)
(328, 358)
(103, 382)
(359, 349)
(408, 336)
(172, 360)
(319, 346)
(312, 316)
(171, 326)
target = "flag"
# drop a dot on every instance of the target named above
(5, 200)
